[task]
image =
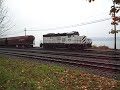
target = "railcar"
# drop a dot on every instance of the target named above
(3, 42)
(70, 40)
(19, 41)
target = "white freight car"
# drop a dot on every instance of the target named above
(70, 40)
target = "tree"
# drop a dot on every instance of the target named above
(116, 1)
(116, 19)
(5, 23)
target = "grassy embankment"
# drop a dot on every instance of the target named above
(29, 75)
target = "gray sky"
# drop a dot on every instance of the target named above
(49, 16)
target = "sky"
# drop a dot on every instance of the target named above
(57, 16)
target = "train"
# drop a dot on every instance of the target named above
(70, 40)
(18, 42)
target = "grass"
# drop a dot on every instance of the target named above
(28, 75)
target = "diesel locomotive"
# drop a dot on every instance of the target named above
(70, 40)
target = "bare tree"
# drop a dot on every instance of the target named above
(5, 23)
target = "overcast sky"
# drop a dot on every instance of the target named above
(54, 16)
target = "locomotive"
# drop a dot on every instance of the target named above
(70, 40)
(19, 41)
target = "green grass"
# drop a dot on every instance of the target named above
(28, 75)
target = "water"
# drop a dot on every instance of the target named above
(106, 41)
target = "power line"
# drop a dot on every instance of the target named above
(71, 26)
(15, 33)
(34, 28)
(63, 27)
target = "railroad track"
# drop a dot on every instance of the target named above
(107, 52)
(66, 59)
(73, 54)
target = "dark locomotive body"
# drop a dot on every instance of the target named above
(70, 40)
(19, 42)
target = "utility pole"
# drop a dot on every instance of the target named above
(114, 28)
(25, 31)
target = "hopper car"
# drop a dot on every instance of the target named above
(18, 42)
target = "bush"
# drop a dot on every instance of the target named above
(103, 47)
(94, 46)
(100, 47)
